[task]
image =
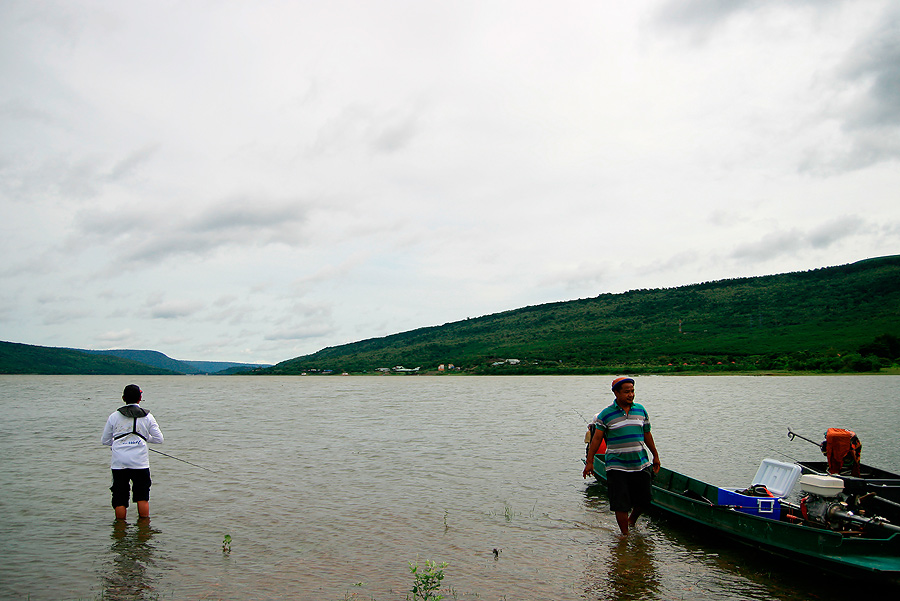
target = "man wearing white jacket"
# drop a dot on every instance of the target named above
(127, 431)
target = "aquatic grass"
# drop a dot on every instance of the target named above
(354, 595)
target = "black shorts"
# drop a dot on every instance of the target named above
(628, 490)
(121, 479)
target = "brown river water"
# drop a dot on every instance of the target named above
(330, 486)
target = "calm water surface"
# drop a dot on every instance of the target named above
(329, 486)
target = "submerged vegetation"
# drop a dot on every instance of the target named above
(829, 320)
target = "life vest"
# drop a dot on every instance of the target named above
(587, 439)
(843, 449)
(132, 411)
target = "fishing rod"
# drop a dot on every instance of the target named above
(181, 460)
(792, 434)
(581, 416)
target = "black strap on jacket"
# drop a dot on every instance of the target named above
(133, 431)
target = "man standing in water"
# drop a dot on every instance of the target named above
(625, 426)
(127, 431)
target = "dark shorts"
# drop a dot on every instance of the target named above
(628, 490)
(121, 479)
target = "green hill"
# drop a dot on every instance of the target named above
(151, 358)
(844, 318)
(27, 359)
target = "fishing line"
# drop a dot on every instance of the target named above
(794, 459)
(581, 416)
(181, 460)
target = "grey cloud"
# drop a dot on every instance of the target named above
(870, 122)
(303, 322)
(65, 316)
(700, 16)
(873, 120)
(154, 235)
(173, 309)
(394, 135)
(64, 176)
(130, 163)
(114, 337)
(376, 132)
(54, 177)
(827, 234)
(247, 213)
(876, 63)
(781, 242)
(18, 110)
(301, 333)
(771, 245)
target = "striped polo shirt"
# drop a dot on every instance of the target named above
(624, 434)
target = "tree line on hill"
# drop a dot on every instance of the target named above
(834, 319)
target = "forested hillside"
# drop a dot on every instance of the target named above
(27, 359)
(844, 318)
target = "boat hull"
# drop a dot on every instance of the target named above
(822, 548)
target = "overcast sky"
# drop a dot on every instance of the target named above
(254, 181)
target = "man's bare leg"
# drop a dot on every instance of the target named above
(622, 520)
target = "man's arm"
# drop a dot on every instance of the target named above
(155, 434)
(648, 440)
(107, 436)
(592, 450)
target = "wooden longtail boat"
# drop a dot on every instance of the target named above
(820, 532)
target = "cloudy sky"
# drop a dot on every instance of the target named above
(253, 181)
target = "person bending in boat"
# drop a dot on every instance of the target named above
(625, 426)
(128, 430)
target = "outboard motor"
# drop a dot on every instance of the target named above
(823, 498)
(824, 503)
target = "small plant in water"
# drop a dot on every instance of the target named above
(226, 544)
(427, 581)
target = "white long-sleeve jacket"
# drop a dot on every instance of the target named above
(129, 450)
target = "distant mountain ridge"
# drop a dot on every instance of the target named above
(160, 360)
(18, 358)
(834, 319)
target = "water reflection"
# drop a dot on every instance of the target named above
(130, 577)
(629, 569)
(632, 572)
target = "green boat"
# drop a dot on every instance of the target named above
(821, 531)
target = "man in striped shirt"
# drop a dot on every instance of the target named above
(625, 426)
